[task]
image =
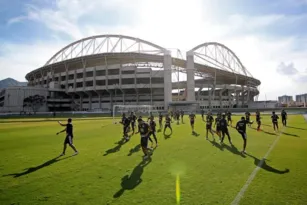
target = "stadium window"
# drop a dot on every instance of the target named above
(63, 78)
(142, 80)
(79, 75)
(79, 85)
(100, 73)
(89, 83)
(89, 74)
(157, 80)
(100, 82)
(126, 81)
(71, 77)
(113, 81)
(127, 72)
(113, 72)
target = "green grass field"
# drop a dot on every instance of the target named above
(109, 172)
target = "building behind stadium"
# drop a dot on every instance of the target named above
(98, 72)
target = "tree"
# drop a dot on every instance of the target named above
(34, 102)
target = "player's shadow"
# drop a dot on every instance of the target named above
(120, 143)
(234, 150)
(263, 165)
(289, 134)
(195, 134)
(132, 181)
(134, 150)
(217, 145)
(34, 169)
(298, 128)
(167, 136)
(266, 132)
(266, 125)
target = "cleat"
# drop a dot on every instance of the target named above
(76, 153)
(62, 154)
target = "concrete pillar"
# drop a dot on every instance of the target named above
(190, 77)
(84, 76)
(220, 98)
(66, 78)
(229, 98)
(90, 102)
(242, 95)
(81, 102)
(99, 96)
(167, 64)
(75, 80)
(94, 78)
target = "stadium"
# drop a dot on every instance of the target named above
(98, 72)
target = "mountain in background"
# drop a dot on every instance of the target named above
(8, 82)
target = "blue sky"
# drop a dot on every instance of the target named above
(269, 36)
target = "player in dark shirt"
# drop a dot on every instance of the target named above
(167, 124)
(258, 120)
(144, 132)
(275, 118)
(218, 126)
(202, 114)
(172, 115)
(153, 125)
(247, 117)
(284, 117)
(69, 136)
(182, 114)
(133, 121)
(229, 120)
(224, 129)
(192, 121)
(140, 121)
(209, 121)
(160, 120)
(126, 124)
(241, 128)
(177, 116)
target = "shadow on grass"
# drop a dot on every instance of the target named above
(217, 145)
(120, 143)
(263, 165)
(195, 134)
(234, 150)
(266, 132)
(298, 128)
(134, 150)
(289, 134)
(34, 169)
(167, 136)
(132, 181)
(266, 125)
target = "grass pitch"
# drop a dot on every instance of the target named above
(109, 172)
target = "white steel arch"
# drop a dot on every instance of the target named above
(105, 44)
(219, 56)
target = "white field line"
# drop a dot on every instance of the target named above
(253, 174)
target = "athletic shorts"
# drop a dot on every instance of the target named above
(192, 122)
(243, 134)
(68, 140)
(225, 132)
(125, 129)
(153, 133)
(248, 119)
(132, 124)
(218, 128)
(144, 141)
(208, 127)
(229, 118)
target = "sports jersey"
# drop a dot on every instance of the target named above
(223, 124)
(241, 125)
(217, 122)
(209, 120)
(144, 129)
(247, 115)
(133, 118)
(192, 117)
(228, 115)
(126, 121)
(283, 114)
(274, 118)
(167, 121)
(257, 115)
(152, 124)
(202, 112)
(69, 129)
(160, 117)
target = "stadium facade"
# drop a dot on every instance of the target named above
(98, 72)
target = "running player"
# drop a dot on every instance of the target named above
(229, 120)
(224, 129)
(192, 117)
(241, 128)
(153, 124)
(284, 118)
(275, 118)
(177, 116)
(126, 123)
(217, 125)
(167, 124)
(182, 114)
(144, 131)
(258, 120)
(247, 116)
(172, 115)
(133, 120)
(209, 121)
(160, 120)
(69, 136)
(202, 114)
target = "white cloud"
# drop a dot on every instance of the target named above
(171, 24)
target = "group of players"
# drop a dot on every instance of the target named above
(148, 129)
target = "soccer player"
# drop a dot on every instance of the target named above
(177, 116)
(160, 120)
(217, 125)
(192, 117)
(247, 116)
(284, 118)
(126, 123)
(229, 120)
(172, 115)
(133, 120)
(275, 118)
(182, 113)
(241, 128)
(209, 121)
(69, 136)
(167, 124)
(202, 114)
(258, 120)
(153, 124)
(224, 129)
(144, 131)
